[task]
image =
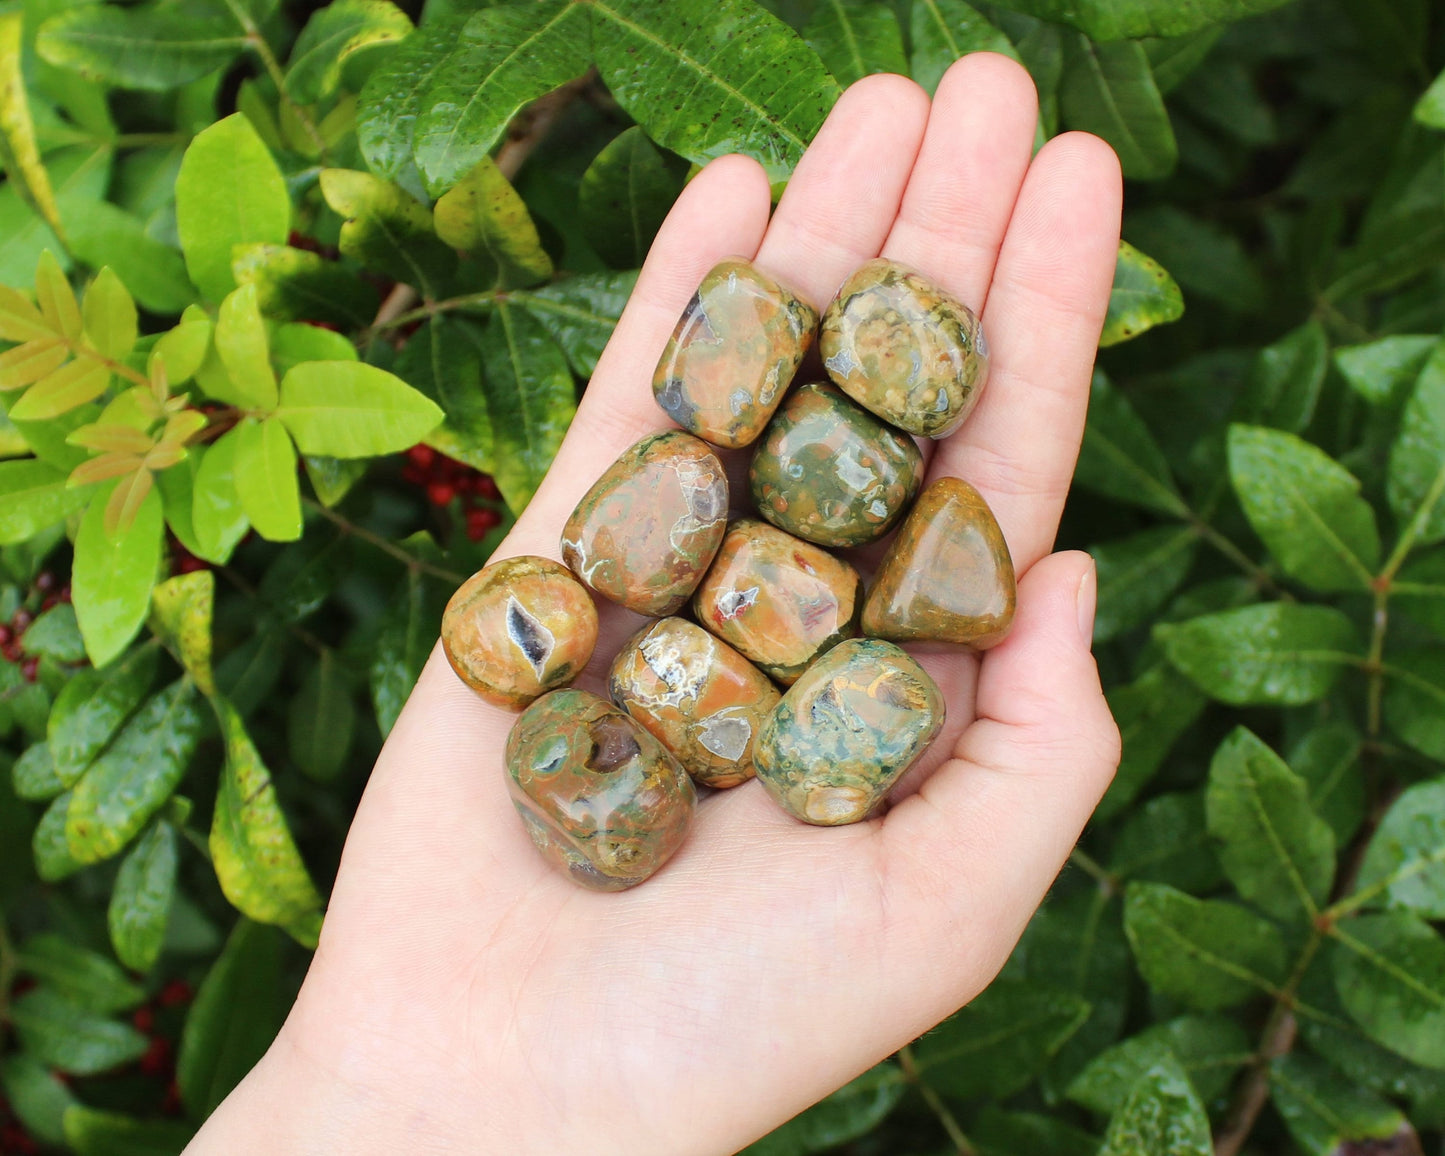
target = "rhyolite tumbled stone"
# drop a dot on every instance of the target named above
(519, 628)
(732, 354)
(905, 349)
(646, 532)
(697, 695)
(829, 471)
(845, 732)
(778, 600)
(602, 799)
(947, 576)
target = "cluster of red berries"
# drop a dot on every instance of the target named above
(183, 561)
(160, 1056)
(446, 481)
(50, 593)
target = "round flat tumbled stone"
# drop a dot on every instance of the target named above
(829, 471)
(904, 349)
(732, 354)
(947, 576)
(519, 628)
(778, 600)
(602, 799)
(697, 695)
(844, 733)
(646, 532)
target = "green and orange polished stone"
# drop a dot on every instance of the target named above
(698, 696)
(844, 733)
(778, 600)
(732, 354)
(646, 532)
(947, 576)
(603, 800)
(519, 628)
(903, 348)
(829, 471)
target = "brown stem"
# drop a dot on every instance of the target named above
(9, 964)
(1252, 1095)
(535, 121)
(401, 298)
(935, 1103)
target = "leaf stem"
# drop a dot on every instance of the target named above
(1108, 882)
(1412, 532)
(1374, 660)
(935, 1103)
(9, 964)
(262, 48)
(410, 561)
(1257, 573)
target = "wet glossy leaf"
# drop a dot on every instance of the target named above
(1143, 296)
(1206, 953)
(296, 285)
(229, 192)
(347, 409)
(217, 517)
(33, 495)
(387, 230)
(91, 708)
(91, 1132)
(334, 33)
(82, 976)
(1208, 261)
(1323, 1110)
(1390, 974)
(135, 775)
(155, 47)
(626, 192)
(1165, 841)
(997, 1133)
(402, 647)
(244, 350)
(855, 39)
(55, 635)
(1109, 90)
(1209, 1049)
(1278, 652)
(1163, 1116)
(53, 860)
(67, 1036)
(580, 313)
(852, 1111)
(1138, 574)
(1405, 864)
(942, 31)
(443, 360)
(182, 609)
(140, 903)
(1151, 712)
(1328, 760)
(1285, 385)
(1120, 458)
(264, 475)
(113, 575)
(19, 152)
(1107, 20)
(33, 775)
(1415, 700)
(1383, 371)
(234, 1019)
(1417, 461)
(483, 215)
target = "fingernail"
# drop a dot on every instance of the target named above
(1084, 601)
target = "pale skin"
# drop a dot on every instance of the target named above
(466, 998)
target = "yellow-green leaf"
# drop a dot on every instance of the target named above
(217, 517)
(19, 319)
(347, 409)
(62, 391)
(483, 215)
(183, 348)
(265, 478)
(33, 496)
(109, 316)
(26, 364)
(181, 609)
(18, 150)
(56, 298)
(140, 903)
(243, 348)
(112, 576)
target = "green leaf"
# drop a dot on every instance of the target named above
(1165, 840)
(217, 516)
(156, 47)
(942, 31)
(1305, 507)
(628, 189)
(994, 1132)
(1417, 460)
(1206, 953)
(1278, 652)
(1143, 296)
(502, 58)
(1137, 574)
(245, 351)
(140, 904)
(1430, 109)
(580, 313)
(236, 1015)
(1209, 1049)
(1405, 863)
(1274, 848)
(37, 1096)
(321, 721)
(91, 1132)
(1108, 89)
(152, 270)
(1415, 700)
(1389, 972)
(68, 1036)
(406, 638)
(1328, 760)
(33, 495)
(256, 860)
(19, 152)
(347, 409)
(1383, 371)
(91, 708)
(855, 39)
(1323, 1110)
(443, 361)
(1288, 376)
(265, 478)
(1120, 458)
(183, 349)
(483, 215)
(1108, 20)
(82, 976)
(109, 316)
(56, 636)
(72, 385)
(1163, 1116)
(999, 1042)
(298, 285)
(33, 775)
(1209, 261)
(852, 1111)
(530, 401)
(53, 860)
(1151, 712)
(387, 230)
(229, 192)
(332, 35)
(123, 788)
(182, 611)
(113, 574)
(293, 344)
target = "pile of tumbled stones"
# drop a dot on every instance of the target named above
(606, 789)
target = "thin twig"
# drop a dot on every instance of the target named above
(1257, 573)
(1108, 882)
(300, 633)
(410, 561)
(935, 1103)
(398, 302)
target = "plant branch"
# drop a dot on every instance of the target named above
(410, 561)
(535, 121)
(1257, 573)
(1108, 882)
(258, 44)
(935, 1103)
(300, 633)
(1374, 660)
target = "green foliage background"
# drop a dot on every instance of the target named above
(306, 238)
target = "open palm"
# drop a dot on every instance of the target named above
(467, 998)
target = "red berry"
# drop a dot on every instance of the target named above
(177, 991)
(171, 1105)
(30, 669)
(157, 1058)
(486, 486)
(480, 521)
(144, 1020)
(51, 600)
(11, 651)
(440, 493)
(5, 636)
(65, 592)
(15, 1139)
(190, 564)
(421, 455)
(413, 476)
(45, 582)
(22, 620)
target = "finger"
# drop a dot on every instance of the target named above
(981, 841)
(1045, 310)
(967, 176)
(843, 198)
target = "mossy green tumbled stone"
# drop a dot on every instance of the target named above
(846, 730)
(830, 472)
(602, 799)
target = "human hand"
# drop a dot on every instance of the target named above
(468, 998)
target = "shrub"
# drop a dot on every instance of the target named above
(327, 338)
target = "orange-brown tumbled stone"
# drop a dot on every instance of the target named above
(646, 532)
(732, 354)
(779, 600)
(697, 695)
(519, 628)
(947, 577)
